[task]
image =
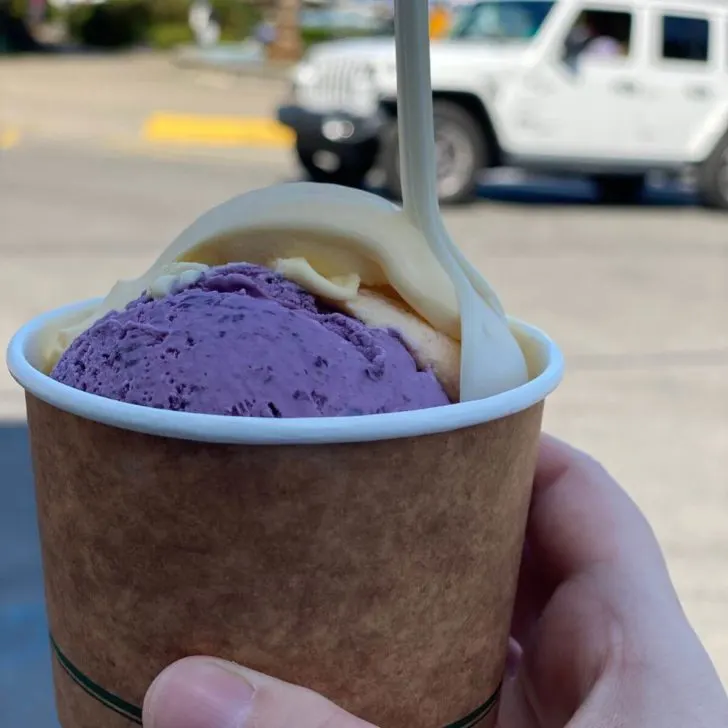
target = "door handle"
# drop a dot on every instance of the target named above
(625, 87)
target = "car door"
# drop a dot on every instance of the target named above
(581, 101)
(683, 79)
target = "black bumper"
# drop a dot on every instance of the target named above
(330, 130)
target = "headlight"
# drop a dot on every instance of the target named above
(304, 74)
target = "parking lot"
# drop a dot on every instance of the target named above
(637, 297)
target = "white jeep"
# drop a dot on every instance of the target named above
(611, 89)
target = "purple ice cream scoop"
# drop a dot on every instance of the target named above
(245, 341)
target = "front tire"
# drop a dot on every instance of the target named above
(713, 177)
(348, 165)
(462, 151)
(616, 189)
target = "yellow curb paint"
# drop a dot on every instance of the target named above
(9, 138)
(221, 131)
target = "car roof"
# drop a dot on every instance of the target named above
(671, 4)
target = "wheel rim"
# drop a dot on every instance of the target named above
(327, 162)
(454, 157)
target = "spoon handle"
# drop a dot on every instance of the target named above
(418, 163)
(416, 124)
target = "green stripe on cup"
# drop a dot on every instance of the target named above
(134, 714)
(111, 701)
(479, 713)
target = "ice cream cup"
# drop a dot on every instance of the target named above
(373, 559)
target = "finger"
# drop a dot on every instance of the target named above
(532, 594)
(554, 458)
(581, 518)
(515, 710)
(581, 522)
(202, 692)
(539, 572)
(612, 617)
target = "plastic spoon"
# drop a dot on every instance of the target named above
(491, 360)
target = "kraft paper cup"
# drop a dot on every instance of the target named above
(373, 559)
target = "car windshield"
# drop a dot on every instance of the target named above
(503, 20)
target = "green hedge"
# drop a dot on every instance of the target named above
(161, 23)
(311, 36)
(19, 9)
(237, 17)
(116, 24)
(169, 35)
(164, 23)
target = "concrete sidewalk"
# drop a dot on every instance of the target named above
(140, 97)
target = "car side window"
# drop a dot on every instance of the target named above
(599, 34)
(500, 20)
(685, 38)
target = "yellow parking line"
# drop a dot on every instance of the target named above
(9, 138)
(228, 131)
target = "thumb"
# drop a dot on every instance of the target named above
(203, 692)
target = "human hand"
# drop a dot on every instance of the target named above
(599, 637)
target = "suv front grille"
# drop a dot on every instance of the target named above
(342, 85)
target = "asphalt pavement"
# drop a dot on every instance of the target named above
(636, 297)
(113, 100)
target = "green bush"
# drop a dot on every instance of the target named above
(168, 35)
(311, 36)
(169, 12)
(170, 26)
(234, 15)
(115, 24)
(76, 18)
(237, 19)
(20, 9)
(162, 23)
(17, 8)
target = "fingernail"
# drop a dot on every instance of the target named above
(198, 693)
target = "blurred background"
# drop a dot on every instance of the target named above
(122, 120)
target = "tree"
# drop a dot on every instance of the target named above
(288, 45)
